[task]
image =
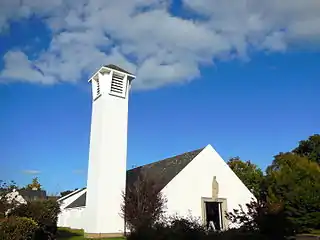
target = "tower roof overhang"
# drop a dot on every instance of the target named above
(112, 67)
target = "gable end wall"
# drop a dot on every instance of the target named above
(194, 182)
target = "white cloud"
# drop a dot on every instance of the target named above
(144, 37)
(31, 172)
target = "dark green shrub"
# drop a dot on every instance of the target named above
(237, 234)
(44, 213)
(173, 228)
(18, 228)
(267, 219)
(177, 228)
(143, 203)
(5, 202)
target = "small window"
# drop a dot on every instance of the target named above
(118, 84)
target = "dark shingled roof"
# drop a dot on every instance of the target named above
(31, 195)
(112, 66)
(162, 172)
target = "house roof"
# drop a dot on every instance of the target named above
(162, 172)
(112, 66)
(32, 194)
(70, 194)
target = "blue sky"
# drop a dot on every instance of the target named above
(250, 93)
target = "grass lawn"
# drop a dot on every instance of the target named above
(316, 232)
(71, 234)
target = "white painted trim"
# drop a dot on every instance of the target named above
(66, 196)
(109, 69)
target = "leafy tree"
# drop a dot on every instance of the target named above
(5, 202)
(18, 228)
(44, 213)
(35, 184)
(143, 204)
(310, 148)
(265, 218)
(294, 181)
(250, 174)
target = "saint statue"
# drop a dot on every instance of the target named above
(215, 188)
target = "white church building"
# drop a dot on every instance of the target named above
(197, 182)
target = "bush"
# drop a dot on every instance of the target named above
(44, 213)
(236, 234)
(143, 203)
(6, 202)
(177, 228)
(172, 228)
(267, 219)
(18, 228)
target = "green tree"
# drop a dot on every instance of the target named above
(5, 202)
(250, 174)
(34, 185)
(142, 203)
(294, 182)
(310, 148)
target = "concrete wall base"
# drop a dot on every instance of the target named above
(103, 235)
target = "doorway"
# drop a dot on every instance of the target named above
(213, 216)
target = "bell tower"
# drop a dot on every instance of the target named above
(108, 152)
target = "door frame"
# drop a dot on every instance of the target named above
(224, 210)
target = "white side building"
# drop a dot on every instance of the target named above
(197, 182)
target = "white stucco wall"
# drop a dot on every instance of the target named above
(72, 218)
(65, 218)
(185, 191)
(107, 161)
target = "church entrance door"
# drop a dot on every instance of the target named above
(213, 215)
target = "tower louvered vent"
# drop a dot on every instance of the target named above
(98, 87)
(118, 85)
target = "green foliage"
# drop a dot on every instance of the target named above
(310, 148)
(250, 174)
(34, 185)
(44, 213)
(18, 228)
(294, 181)
(177, 228)
(143, 204)
(5, 204)
(264, 218)
(288, 196)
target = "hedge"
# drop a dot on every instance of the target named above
(44, 213)
(18, 228)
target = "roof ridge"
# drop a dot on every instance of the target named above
(167, 158)
(117, 68)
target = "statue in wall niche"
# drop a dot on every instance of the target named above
(215, 188)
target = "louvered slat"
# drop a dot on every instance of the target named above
(117, 84)
(98, 87)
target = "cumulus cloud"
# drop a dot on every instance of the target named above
(144, 37)
(30, 172)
